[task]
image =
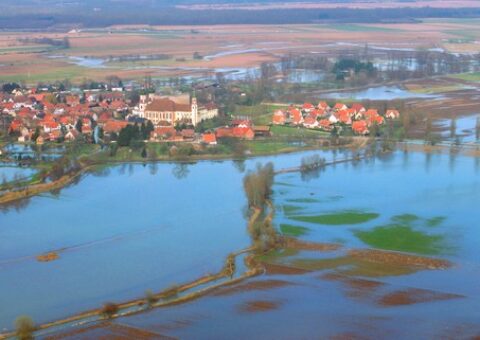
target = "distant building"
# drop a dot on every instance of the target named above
(172, 110)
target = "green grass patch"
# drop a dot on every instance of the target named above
(270, 146)
(292, 230)
(291, 209)
(363, 28)
(348, 265)
(51, 75)
(341, 218)
(437, 89)
(283, 184)
(303, 200)
(261, 114)
(435, 221)
(402, 238)
(299, 132)
(473, 77)
(405, 218)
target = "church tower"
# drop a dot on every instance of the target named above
(195, 118)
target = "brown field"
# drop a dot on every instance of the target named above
(259, 306)
(108, 331)
(229, 46)
(412, 296)
(353, 4)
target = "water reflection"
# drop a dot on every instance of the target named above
(239, 164)
(180, 171)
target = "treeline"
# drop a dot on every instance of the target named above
(258, 185)
(134, 134)
(115, 14)
(61, 43)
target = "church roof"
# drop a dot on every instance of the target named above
(167, 105)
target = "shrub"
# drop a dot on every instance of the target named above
(25, 327)
(151, 298)
(108, 310)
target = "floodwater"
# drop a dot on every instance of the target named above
(379, 93)
(413, 203)
(9, 172)
(465, 128)
(148, 227)
(88, 62)
(121, 231)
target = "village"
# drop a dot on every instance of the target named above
(327, 118)
(32, 116)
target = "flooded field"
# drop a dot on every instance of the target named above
(464, 128)
(379, 93)
(9, 172)
(120, 231)
(404, 229)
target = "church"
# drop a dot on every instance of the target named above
(173, 110)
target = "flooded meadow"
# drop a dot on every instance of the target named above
(399, 236)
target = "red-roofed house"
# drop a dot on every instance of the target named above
(323, 106)
(307, 107)
(344, 117)
(163, 132)
(209, 138)
(279, 117)
(372, 117)
(358, 108)
(339, 106)
(392, 114)
(224, 132)
(310, 122)
(296, 117)
(242, 122)
(360, 127)
(49, 125)
(114, 126)
(325, 124)
(243, 132)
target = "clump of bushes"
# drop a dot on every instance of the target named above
(108, 310)
(24, 327)
(150, 298)
(229, 268)
(258, 185)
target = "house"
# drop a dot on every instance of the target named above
(325, 124)
(54, 135)
(317, 113)
(343, 116)
(209, 138)
(241, 123)
(358, 108)
(323, 106)
(296, 117)
(339, 106)
(262, 131)
(224, 132)
(372, 117)
(333, 119)
(163, 133)
(243, 133)
(112, 126)
(72, 134)
(163, 109)
(310, 122)
(279, 117)
(360, 127)
(308, 107)
(392, 114)
(188, 134)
